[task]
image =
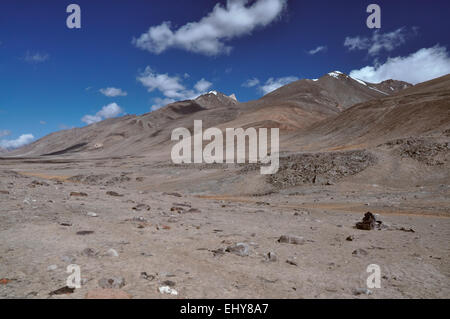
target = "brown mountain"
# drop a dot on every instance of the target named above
(292, 107)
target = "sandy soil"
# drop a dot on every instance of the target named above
(169, 244)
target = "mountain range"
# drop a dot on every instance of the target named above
(333, 109)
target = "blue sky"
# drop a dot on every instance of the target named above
(52, 77)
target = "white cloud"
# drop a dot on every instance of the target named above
(272, 84)
(19, 142)
(208, 36)
(5, 133)
(378, 42)
(160, 102)
(37, 57)
(202, 85)
(42, 122)
(171, 87)
(108, 111)
(423, 65)
(320, 48)
(250, 83)
(113, 92)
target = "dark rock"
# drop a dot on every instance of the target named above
(78, 194)
(140, 207)
(291, 262)
(112, 193)
(169, 283)
(89, 252)
(271, 256)
(62, 291)
(85, 232)
(369, 222)
(173, 194)
(289, 239)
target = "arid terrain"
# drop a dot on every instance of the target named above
(108, 198)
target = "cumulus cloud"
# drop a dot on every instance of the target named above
(270, 85)
(320, 48)
(251, 83)
(5, 133)
(171, 87)
(22, 140)
(274, 83)
(209, 34)
(113, 92)
(420, 66)
(202, 85)
(379, 41)
(108, 111)
(36, 57)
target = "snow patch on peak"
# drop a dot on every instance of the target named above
(212, 92)
(360, 81)
(335, 74)
(233, 96)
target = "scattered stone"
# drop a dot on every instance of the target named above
(112, 252)
(112, 193)
(139, 179)
(65, 224)
(139, 219)
(89, 252)
(179, 210)
(78, 194)
(173, 194)
(289, 239)
(240, 249)
(35, 183)
(301, 212)
(410, 230)
(167, 290)
(291, 262)
(182, 204)
(52, 267)
(85, 232)
(194, 210)
(359, 252)
(271, 256)
(62, 291)
(91, 214)
(146, 276)
(350, 238)
(4, 192)
(362, 291)
(169, 283)
(115, 282)
(369, 222)
(140, 207)
(218, 252)
(107, 293)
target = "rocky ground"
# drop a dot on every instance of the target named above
(134, 240)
